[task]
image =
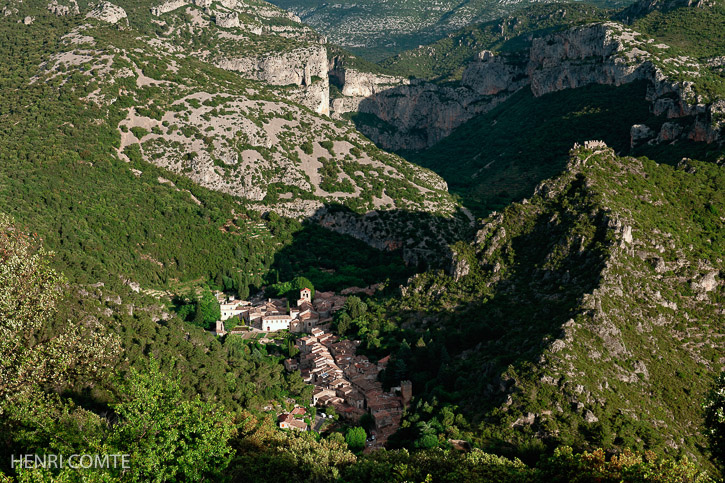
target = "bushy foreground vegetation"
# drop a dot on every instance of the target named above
(177, 429)
(171, 437)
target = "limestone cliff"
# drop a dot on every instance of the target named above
(247, 39)
(611, 54)
(356, 84)
(418, 114)
(305, 67)
(422, 113)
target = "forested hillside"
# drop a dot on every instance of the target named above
(561, 323)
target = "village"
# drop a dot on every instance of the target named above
(343, 380)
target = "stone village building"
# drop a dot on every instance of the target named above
(349, 382)
(272, 315)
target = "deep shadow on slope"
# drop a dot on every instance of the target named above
(338, 247)
(494, 324)
(500, 156)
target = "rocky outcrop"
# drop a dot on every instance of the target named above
(354, 83)
(418, 114)
(585, 55)
(64, 10)
(227, 20)
(458, 266)
(171, 5)
(490, 75)
(107, 12)
(706, 283)
(640, 133)
(669, 132)
(305, 67)
(315, 96)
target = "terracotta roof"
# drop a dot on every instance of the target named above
(276, 317)
(298, 424)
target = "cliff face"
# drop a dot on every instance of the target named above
(491, 74)
(356, 84)
(107, 12)
(249, 41)
(295, 67)
(305, 67)
(611, 54)
(422, 113)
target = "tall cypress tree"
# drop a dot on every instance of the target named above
(199, 316)
(243, 287)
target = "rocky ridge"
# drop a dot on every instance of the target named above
(643, 7)
(244, 47)
(589, 292)
(377, 29)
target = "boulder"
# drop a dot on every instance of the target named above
(227, 20)
(71, 8)
(589, 417)
(107, 12)
(707, 283)
(669, 132)
(640, 133)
